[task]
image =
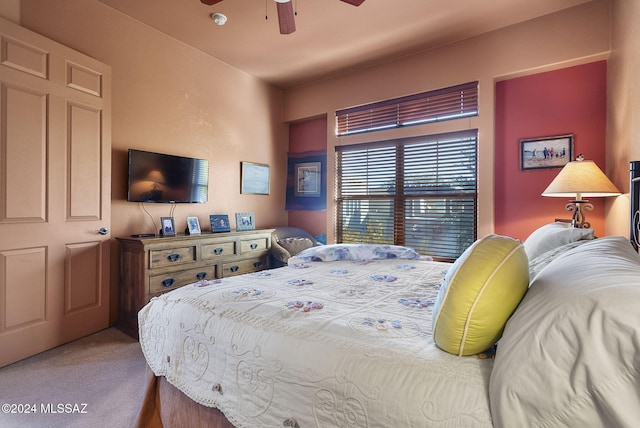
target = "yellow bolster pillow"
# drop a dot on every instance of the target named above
(479, 293)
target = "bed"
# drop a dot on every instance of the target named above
(540, 333)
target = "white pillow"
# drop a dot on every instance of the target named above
(569, 354)
(554, 235)
(544, 259)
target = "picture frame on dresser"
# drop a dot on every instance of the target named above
(193, 226)
(245, 221)
(219, 223)
(168, 226)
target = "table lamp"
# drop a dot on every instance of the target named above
(580, 178)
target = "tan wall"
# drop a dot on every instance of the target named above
(570, 37)
(171, 98)
(623, 107)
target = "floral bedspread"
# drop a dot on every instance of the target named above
(317, 344)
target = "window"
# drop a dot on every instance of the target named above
(433, 106)
(420, 192)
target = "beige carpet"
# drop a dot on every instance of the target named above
(96, 381)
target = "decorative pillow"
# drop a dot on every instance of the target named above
(333, 252)
(295, 245)
(478, 295)
(569, 354)
(554, 235)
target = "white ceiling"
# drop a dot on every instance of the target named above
(332, 37)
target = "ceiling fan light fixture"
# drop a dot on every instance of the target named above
(219, 18)
(286, 13)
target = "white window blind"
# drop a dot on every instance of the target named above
(442, 104)
(419, 192)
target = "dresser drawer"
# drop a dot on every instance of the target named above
(212, 251)
(171, 256)
(173, 280)
(151, 266)
(256, 244)
(244, 266)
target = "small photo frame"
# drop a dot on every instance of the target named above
(168, 226)
(546, 152)
(245, 221)
(219, 223)
(193, 226)
(254, 178)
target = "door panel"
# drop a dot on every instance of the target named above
(82, 277)
(23, 165)
(55, 163)
(23, 288)
(23, 56)
(85, 162)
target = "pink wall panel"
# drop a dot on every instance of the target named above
(305, 136)
(308, 135)
(566, 101)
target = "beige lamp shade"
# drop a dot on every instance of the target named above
(581, 178)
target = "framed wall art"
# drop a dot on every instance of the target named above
(306, 181)
(254, 178)
(193, 226)
(168, 226)
(245, 221)
(546, 152)
(219, 223)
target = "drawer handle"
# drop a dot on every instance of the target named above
(168, 282)
(234, 268)
(218, 251)
(257, 264)
(253, 245)
(201, 275)
(174, 257)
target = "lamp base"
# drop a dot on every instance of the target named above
(579, 207)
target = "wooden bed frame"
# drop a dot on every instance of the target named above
(166, 406)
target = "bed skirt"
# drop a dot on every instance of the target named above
(163, 405)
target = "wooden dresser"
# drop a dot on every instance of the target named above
(152, 266)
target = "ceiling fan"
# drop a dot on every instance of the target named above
(285, 13)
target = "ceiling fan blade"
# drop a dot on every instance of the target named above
(354, 2)
(285, 18)
(210, 2)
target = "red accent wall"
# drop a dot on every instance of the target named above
(305, 136)
(567, 101)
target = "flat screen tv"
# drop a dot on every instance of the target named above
(163, 178)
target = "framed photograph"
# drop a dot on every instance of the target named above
(546, 152)
(245, 221)
(193, 226)
(308, 179)
(254, 178)
(219, 223)
(168, 226)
